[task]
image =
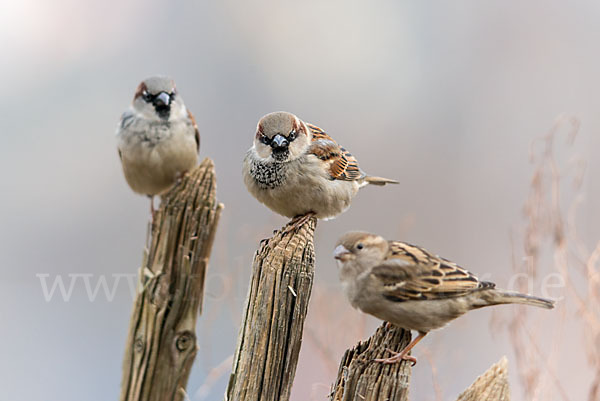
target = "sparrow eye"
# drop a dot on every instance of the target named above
(292, 136)
(172, 95)
(359, 246)
(264, 139)
(146, 96)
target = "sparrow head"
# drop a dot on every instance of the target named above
(156, 98)
(281, 136)
(360, 249)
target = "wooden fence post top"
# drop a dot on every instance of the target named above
(270, 335)
(360, 378)
(490, 386)
(161, 344)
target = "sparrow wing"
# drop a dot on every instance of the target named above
(342, 165)
(124, 122)
(196, 132)
(412, 273)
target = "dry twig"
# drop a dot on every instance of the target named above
(550, 226)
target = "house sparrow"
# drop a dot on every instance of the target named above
(158, 139)
(297, 170)
(412, 288)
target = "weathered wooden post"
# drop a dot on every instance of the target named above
(360, 378)
(270, 336)
(161, 345)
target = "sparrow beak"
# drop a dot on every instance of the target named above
(341, 253)
(279, 142)
(163, 99)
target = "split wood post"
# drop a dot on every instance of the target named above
(270, 336)
(360, 378)
(161, 345)
(490, 386)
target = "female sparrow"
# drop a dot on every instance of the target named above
(412, 288)
(158, 139)
(297, 170)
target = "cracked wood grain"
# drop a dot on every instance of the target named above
(161, 344)
(360, 378)
(270, 336)
(492, 385)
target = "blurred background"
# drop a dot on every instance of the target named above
(446, 98)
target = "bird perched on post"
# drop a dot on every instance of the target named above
(158, 139)
(412, 288)
(299, 171)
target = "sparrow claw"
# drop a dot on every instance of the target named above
(397, 357)
(179, 178)
(298, 221)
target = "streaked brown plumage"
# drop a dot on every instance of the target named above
(296, 169)
(411, 288)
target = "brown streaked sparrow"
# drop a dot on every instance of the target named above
(158, 139)
(297, 170)
(412, 288)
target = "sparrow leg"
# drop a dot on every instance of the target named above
(298, 221)
(152, 210)
(179, 178)
(403, 355)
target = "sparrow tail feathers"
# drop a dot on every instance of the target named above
(497, 297)
(379, 181)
